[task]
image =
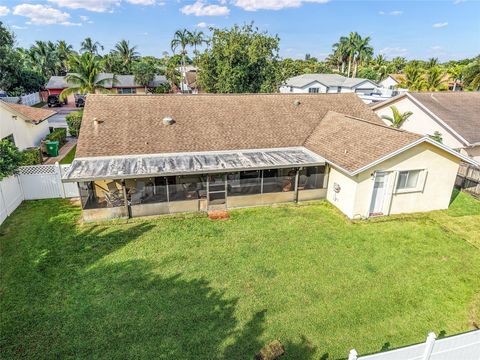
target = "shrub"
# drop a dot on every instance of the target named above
(31, 156)
(59, 135)
(10, 158)
(74, 120)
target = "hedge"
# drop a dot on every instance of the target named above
(31, 156)
(74, 121)
(59, 135)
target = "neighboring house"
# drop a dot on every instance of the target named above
(453, 115)
(125, 84)
(394, 82)
(189, 84)
(25, 126)
(366, 89)
(149, 155)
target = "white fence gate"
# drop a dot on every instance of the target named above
(30, 99)
(464, 346)
(32, 183)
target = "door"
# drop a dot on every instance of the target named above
(378, 194)
(217, 192)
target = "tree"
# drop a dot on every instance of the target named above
(90, 46)
(240, 60)
(397, 117)
(10, 158)
(182, 39)
(455, 74)
(432, 62)
(341, 53)
(64, 51)
(471, 75)
(85, 78)
(434, 78)
(363, 52)
(74, 121)
(437, 136)
(197, 39)
(126, 54)
(414, 78)
(144, 73)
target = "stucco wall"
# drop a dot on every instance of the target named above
(420, 122)
(440, 170)
(25, 133)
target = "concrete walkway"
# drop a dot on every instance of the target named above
(64, 150)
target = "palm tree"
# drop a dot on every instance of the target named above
(397, 117)
(43, 56)
(85, 79)
(434, 78)
(351, 45)
(432, 62)
(64, 51)
(197, 39)
(414, 78)
(363, 51)
(471, 74)
(126, 54)
(88, 45)
(182, 38)
(455, 73)
(398, 63)
(340, 53)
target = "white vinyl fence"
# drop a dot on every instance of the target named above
(464, 346)
(30, 99)
(34, 182)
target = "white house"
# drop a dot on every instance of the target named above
(455, 116)
(366, 89)
(25, 126)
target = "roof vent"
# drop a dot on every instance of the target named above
(168, 121)
(296, 102)
(97, 121)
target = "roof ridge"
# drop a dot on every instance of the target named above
(378, 124)
(232, 94)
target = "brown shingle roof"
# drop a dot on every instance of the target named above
(133, 124)
(35, 115)
(459, 110)
(353, 143)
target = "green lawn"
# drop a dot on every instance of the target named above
(70, 156)
(190, 288)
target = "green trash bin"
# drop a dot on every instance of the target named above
(52, 148)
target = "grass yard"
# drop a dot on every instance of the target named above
(190, 288)
(68, 159)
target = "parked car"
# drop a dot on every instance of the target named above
(79, 100)
(3, 94)
(54, 100)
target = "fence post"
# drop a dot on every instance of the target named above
(59, 179)
(429, 346)
(353, 355)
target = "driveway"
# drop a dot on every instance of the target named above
(58, 120)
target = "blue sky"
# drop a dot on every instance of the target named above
(447, 29)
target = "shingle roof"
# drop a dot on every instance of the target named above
(59, 82)
(32, 114)
(353, 143)
(128, 125)
(325, 79)
(459, 110)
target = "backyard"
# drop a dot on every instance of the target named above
(185, 287)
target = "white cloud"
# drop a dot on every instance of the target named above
(199, 8)
(83, 17)
(394, 51)
(141, 2)
(254, 5)
(392, 13)
(381, 12)
(4, 10)
(202, 25)
(43, 15)
(16, 27)
(90, 5)
(440, 25)
(456, 2)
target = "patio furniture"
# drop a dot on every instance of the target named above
(112, 199)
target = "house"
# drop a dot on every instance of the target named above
(394, 81)
(124, 84)
(455, 116)
(189, 84)
(24, 125)
(366, 89)
(150, 155)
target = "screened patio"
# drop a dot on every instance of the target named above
(152, 185)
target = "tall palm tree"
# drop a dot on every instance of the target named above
(197, 39)
(64, 51)
(85, 78)
(351, 45)
(341, 52)
(126, 54)
(88, 45)
(414, 78)
(434, 78)
(471, 74)
(397, 117)
(43, 56)
(363, 51)
(182, 39)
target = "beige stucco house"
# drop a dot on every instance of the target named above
(148, 155)
(455, 116)
(24, 125)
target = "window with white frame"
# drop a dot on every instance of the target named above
(408, 180)
(313, 90)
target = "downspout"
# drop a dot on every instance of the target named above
(297, 171)
(127, 205)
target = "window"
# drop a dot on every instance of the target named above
(311, 178)
(127, 90)
(313, 90)
(408, 180)
(10, 138)
(244, 183)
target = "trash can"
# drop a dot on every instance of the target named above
(52, 148)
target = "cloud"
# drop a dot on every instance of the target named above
(16, 27)
(43, 15)
(254, 5)
(392, 13)
(142, 2)
(90, 5)
(440, 25)
(456, 2)
(199, 8)
(4, 10)
(394, 51)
